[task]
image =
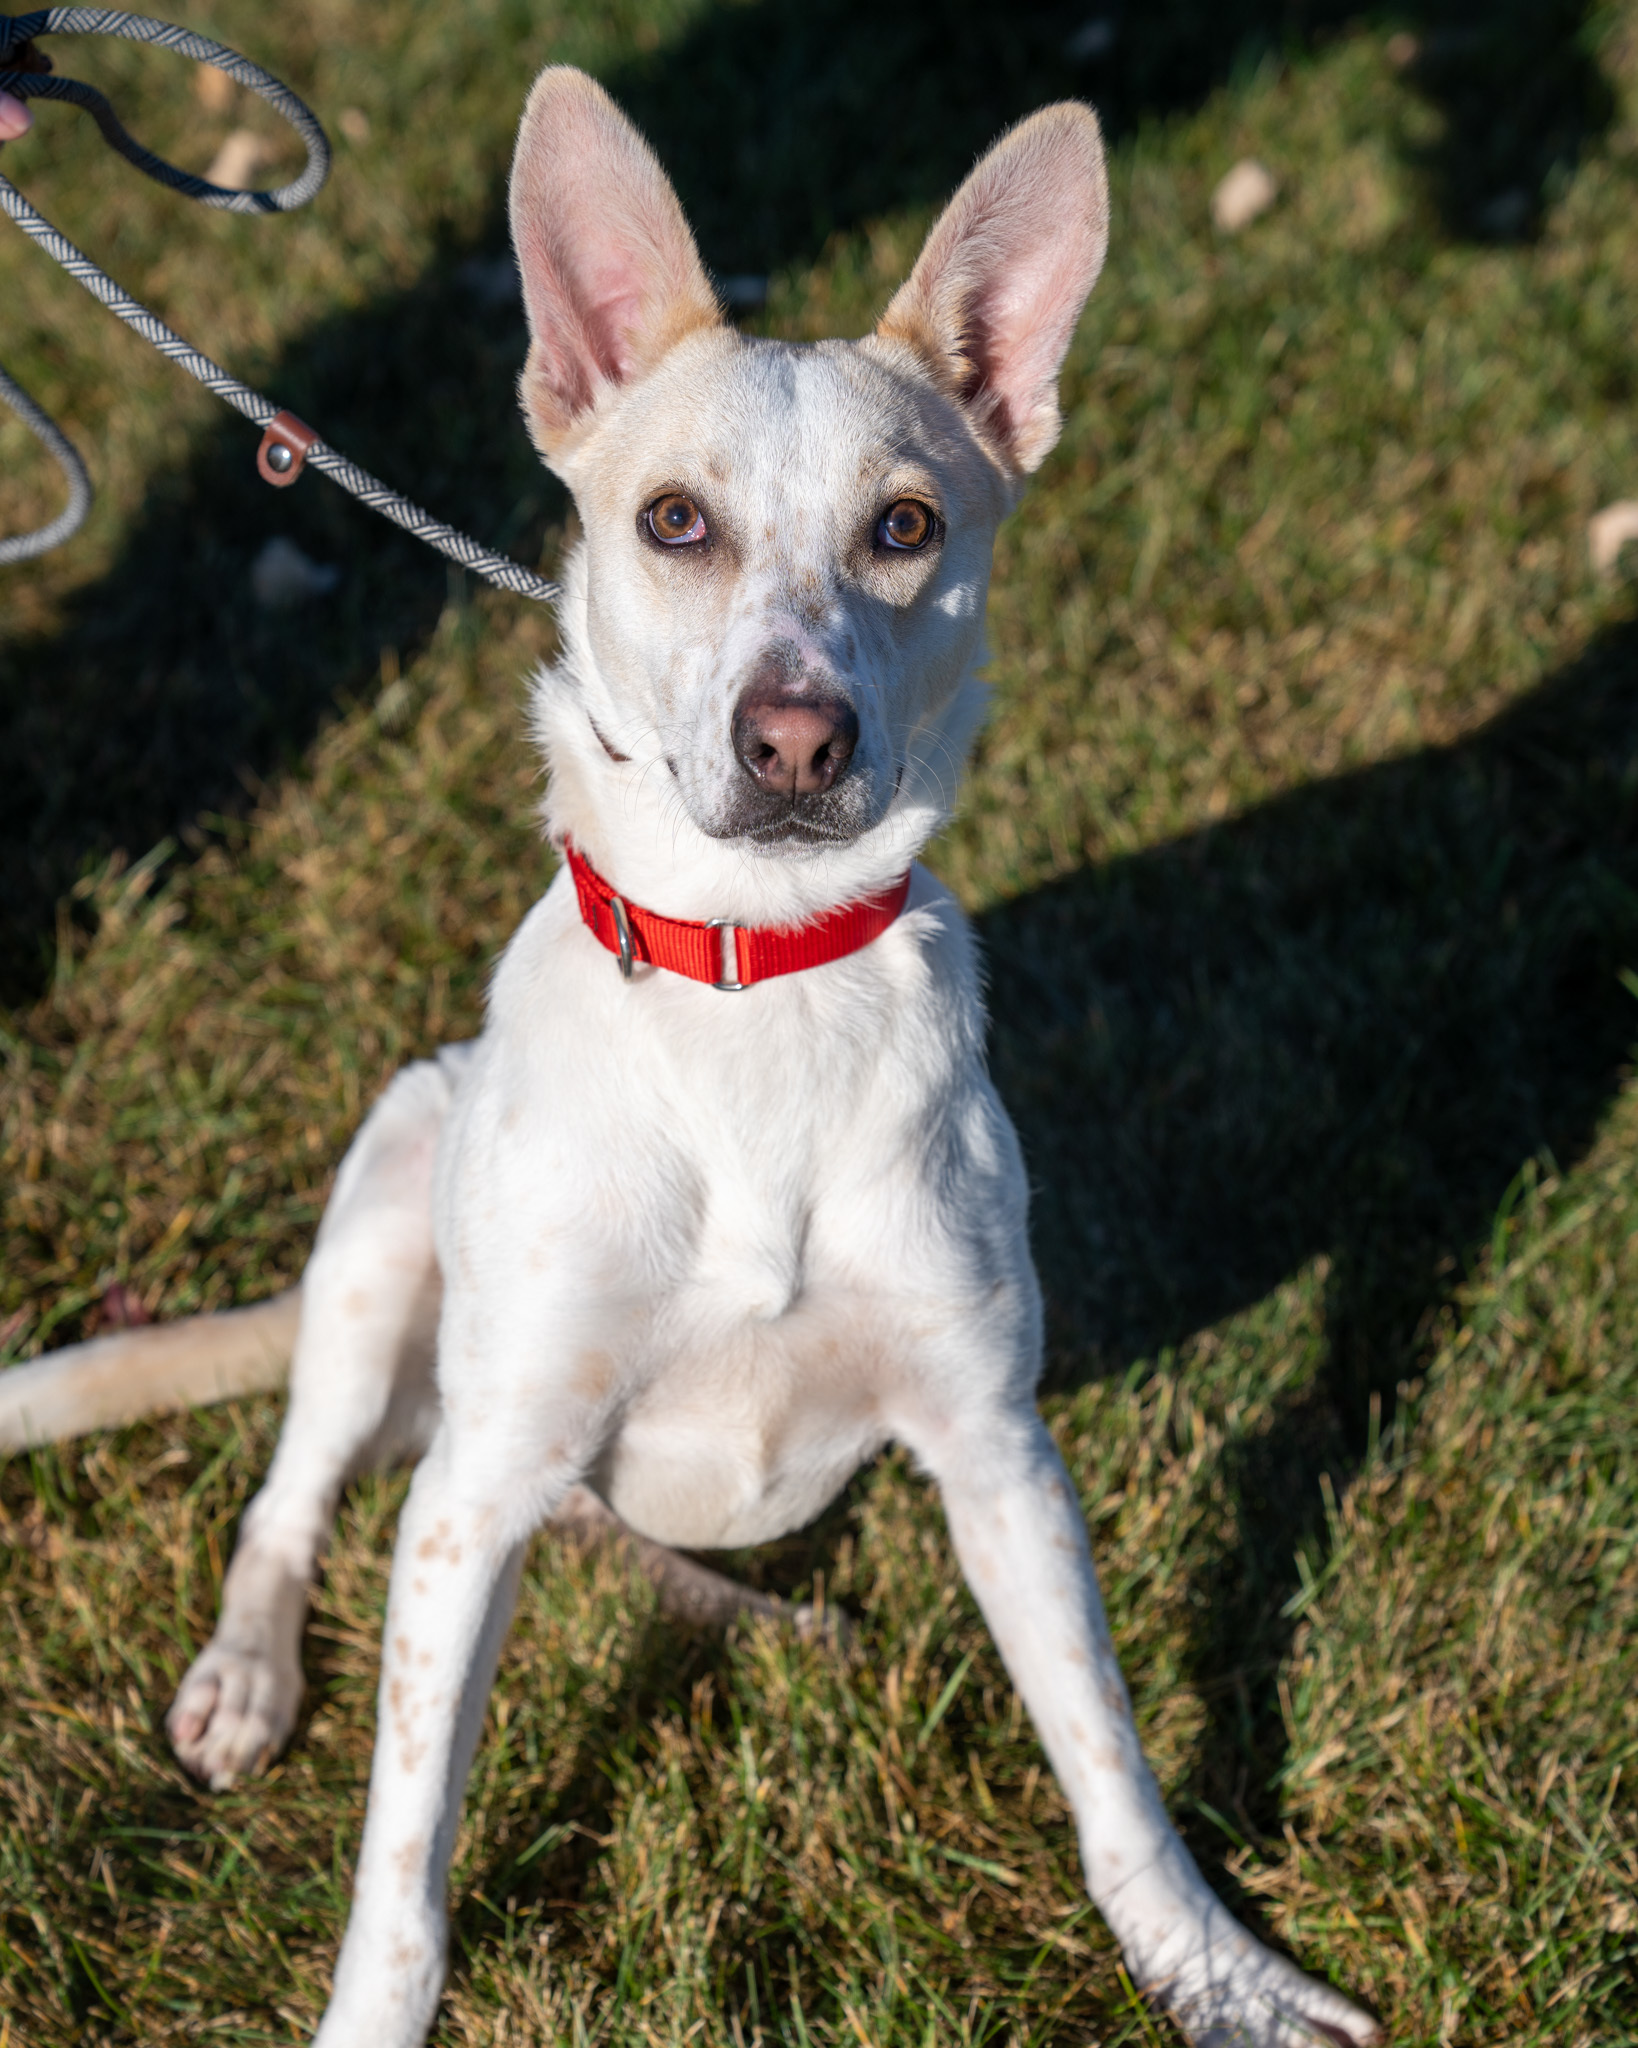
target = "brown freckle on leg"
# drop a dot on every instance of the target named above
(1113, 1696)
(418, 1585)
(408, 1860)
(357, 1303)
(592, 1377)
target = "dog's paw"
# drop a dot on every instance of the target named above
(1231, 1992)
(233, 1713)
(811, 1624)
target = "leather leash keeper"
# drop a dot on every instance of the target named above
(285, 442)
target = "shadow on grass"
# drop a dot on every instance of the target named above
(167, 689)
(788, 120)
(1336, 1027)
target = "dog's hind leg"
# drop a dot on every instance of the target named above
(688, 1590)
(361, 1394)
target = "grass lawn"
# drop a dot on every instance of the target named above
(1304, 847)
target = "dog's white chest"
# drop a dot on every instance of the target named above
(750, 1425)
(759, 1380)
(732, 1211)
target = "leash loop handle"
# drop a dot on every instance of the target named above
(282, 431)
(23, 547)
(22, 29)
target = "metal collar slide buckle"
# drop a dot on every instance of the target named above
(729, 982)
(622, 931)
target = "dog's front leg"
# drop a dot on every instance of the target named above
(1018, 1531)
(471, 1509)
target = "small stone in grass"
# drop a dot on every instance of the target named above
(238, 160)
(1505, 217)
(213, 89)
(744, 292)
(354, 123)
(1245, 192)
(282, 575)
(1093, 39)
(1609, 531)
(395, 707)
(492, 280)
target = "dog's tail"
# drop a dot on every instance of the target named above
(151, 1371)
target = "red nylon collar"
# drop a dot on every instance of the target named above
(719, 953)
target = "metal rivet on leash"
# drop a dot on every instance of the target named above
(287, 443)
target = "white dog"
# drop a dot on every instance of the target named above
(722, 1200)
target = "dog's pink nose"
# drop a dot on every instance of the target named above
(794, 746)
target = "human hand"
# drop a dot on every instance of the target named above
(15, 118)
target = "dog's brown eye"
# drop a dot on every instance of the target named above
(676, 520)
(905, 525)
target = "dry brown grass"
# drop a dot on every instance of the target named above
(1305, 846)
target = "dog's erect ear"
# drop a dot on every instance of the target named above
(995, 294)
(611, 277)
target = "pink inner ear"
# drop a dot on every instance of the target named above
(613, 318)
(610, 273)
(1029, 331)
(996, 293)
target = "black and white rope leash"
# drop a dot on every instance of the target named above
(56, 444)
(287, 443)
